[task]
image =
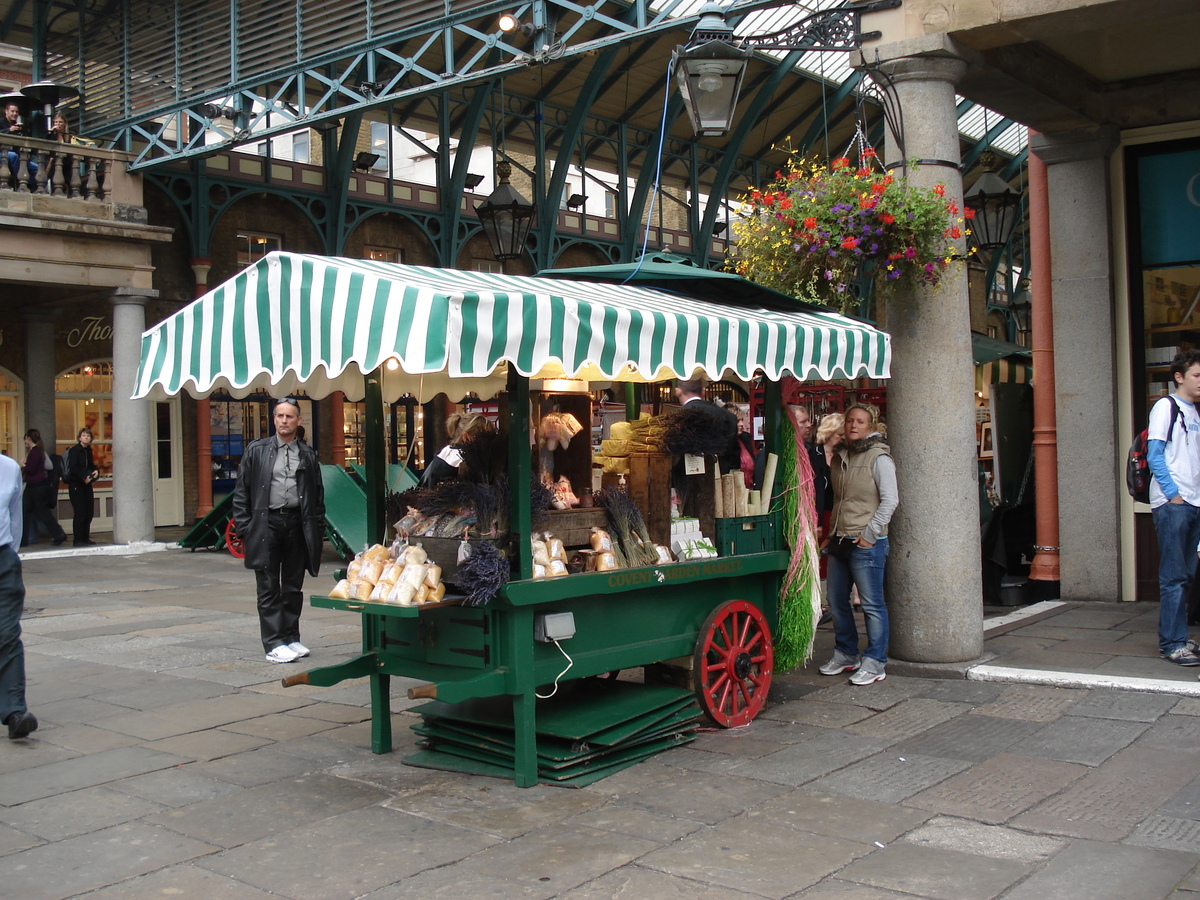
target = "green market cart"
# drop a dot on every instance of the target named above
(377, 331)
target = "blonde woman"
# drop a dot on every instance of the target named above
(864, 499)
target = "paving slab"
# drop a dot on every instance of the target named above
(998, 789)
(18, 756)
(1046, 629)
(1030, 703)
(1079, 739)
(970, 738)
(1185, 804)
(176, 787)
(737, 743)
(496, 806)
(83, 738)
(272, 808)
(709, 800)
(78, 812)
(558, 858)
(992, 841)
(255, 767)
(90, 861)
(1167, 833)
(636, 823)
(1172, 732)
(825, 753)
(960, 691)
(346, 856)
(825, 715)
(639, 883)
(734, 855)
(936, 873)
(1103, 871)
(13, 840)
(837, 816)
(836, 889)
(181, 881)
(889, 777)
(1109, 802)
(878, 696)
(80, 772)
(449, 883)
(1133, 706)
(208, 745)
(693, 759)
(197, 715)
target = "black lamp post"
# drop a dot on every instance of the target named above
(48, 95)
(995, 204)
(506, 216)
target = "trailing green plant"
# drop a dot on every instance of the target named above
(819, 229)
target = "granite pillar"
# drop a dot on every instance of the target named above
(132, 443)
(1090, 460)
(934, 588)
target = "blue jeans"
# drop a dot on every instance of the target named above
(865, 570)
(12, 651)
(14, 162)
(1178, 527)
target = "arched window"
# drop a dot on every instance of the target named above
(83, 396)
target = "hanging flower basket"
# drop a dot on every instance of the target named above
(818, 230)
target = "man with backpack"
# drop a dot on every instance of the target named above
(1173, 454)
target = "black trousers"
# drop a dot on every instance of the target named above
(83, 509)
(12, 651)
(36, 505)
(281, 583)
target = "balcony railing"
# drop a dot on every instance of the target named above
(30, 166)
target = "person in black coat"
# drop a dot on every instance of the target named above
(79, 471)
(279, 512)
(689, 394)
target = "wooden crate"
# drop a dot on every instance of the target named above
(649, 485)
(574, 526)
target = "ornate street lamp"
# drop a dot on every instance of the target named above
(506, 216)
(709, 72)
(47, 95)
(995, 204)
(710, 68)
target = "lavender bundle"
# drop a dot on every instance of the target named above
(482, 574)
(628, 528)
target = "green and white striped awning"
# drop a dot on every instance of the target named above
(292, 322)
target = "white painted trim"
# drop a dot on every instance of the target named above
(1009, 675)
(1018, 615)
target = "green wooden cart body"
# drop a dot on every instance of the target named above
(623, 618)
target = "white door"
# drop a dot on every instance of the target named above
(167, 462)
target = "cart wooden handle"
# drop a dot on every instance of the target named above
(293, 680)
(423, 692)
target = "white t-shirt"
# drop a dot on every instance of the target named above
(1182, 452)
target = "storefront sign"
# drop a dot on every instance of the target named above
(1169, 193)
(91, 328)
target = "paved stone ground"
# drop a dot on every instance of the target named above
(171, 763)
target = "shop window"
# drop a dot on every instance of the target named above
(83, 397)
(384, 254)
(300, 147)
(253, 246)
(10, 395)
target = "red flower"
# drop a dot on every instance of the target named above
(866, 204)
(879, 188)
(840, 162)
(868, 153)
(952, 208)
(810, 223)
(864, 172)
(968, 213)
(849, 243)
(940, 190)
(953, 232)
(785, 203)
(887, 218)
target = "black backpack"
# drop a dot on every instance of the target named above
(1137, 465)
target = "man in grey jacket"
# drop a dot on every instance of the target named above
(279, 512)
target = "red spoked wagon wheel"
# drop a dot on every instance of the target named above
(233, 541)
(733, 663)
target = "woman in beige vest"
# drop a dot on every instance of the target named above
(864, 498)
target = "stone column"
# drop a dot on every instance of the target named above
(934, 590)
(133, 474)
(1089, 480)
(40, 369)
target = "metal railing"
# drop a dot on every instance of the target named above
(30, 166)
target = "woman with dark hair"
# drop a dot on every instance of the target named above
(863, 477)
(460, 428)
(39, 491)
(79, 471)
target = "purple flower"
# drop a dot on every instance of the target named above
(829, 275)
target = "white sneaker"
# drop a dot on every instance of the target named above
(282, 654)
(871, 671)
(298, 648)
